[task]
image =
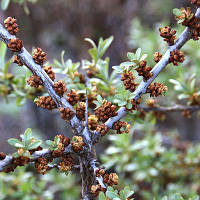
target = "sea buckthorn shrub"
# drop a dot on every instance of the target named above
(97, 103)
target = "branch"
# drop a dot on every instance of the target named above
(142, 88)
(99, 179)
(36, 69)
(170, 108)
(46, 153)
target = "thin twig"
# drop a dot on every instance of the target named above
(174, 108)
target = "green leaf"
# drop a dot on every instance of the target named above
(34, 144)
(4, 4)
(127, 64)
(49, 142)
(144, 56)
(138, 53)
(91, 42)
(177, 12)
(94, 54)
(3, 49)
(131, 56)
(15, 142)
(102, 196)
(111, 195)
(104, 45)
(100, 99)
(27, 136)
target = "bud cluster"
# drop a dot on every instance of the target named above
(66, 113)
(92, 122)
(129, 81)
(49, 71)
(17, 61)
(15, 45)
(63, 143)
(46, 103)
(157, 57)
(156, 89)
(96, 189)
(111, 179)
(41, 165)
(144, 70)
(168, 34)
(34, 81)
(11, 25)
(77, 143)
(21, 161)
(2, 155)
(176, 56)
(106, 111)
(102, 129)
(80, 111)
(39, 56)
(60, 88)
(72, 97)
(121, 127)
(66, 163)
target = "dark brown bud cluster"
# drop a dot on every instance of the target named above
(91, 71)
(60, 88)
(134, 104)
(156, 89)
(157, 57)
(17, 61)
(77, 143)
(20, 161)
(91, 99)
(63, 143)
(34, 81)
(66, 113)
(66, 163)
(168, 34)
(2, 156)
(92, 122)
(196, 2)
(186, 114)
(96, 189)
(79, 75)
(39, 56)
(50, 72)
(11, 25)
(100, 172)
(195, 99)
(121, 127)
(188, 18)
(46, 103)
(176, 57)
(196, 32)
(111, 179)
(102, 129)
(80, 111)
(41, 165)
(129, 81)
(15, 45)
(106, 111)
(144, 70)
(72, 97)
